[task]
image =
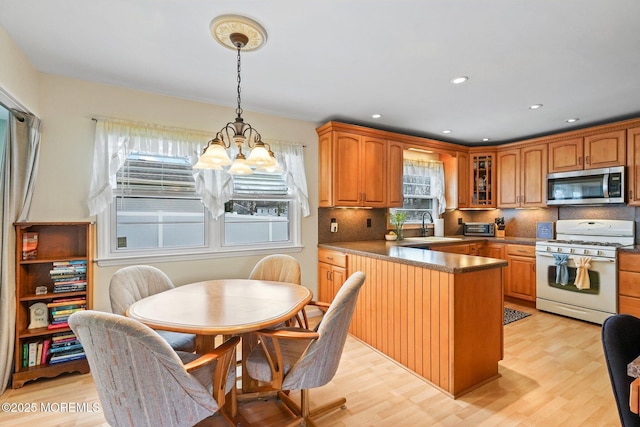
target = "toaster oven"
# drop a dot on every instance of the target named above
(479, 229)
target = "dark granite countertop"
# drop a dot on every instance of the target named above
(402, 252)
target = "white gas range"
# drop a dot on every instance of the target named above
(576, 274)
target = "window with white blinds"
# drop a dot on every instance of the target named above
(156, 206)
(259, 211)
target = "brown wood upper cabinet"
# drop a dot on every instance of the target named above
(589, 152)
(463, 180)
(353, 170)
(633, 163)
(522, 174)
(482, 179)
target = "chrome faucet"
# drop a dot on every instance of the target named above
(424, 228)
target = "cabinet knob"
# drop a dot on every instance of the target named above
(586, 161)
(579, 160)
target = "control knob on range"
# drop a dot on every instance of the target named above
(585, 251)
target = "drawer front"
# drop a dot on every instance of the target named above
(521, 250)
(629, 283)
(629, 305)
(629, 262)
(332, 257)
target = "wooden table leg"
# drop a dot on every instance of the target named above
(205, 343)
(249, 341)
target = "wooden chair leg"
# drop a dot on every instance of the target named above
(304, 411)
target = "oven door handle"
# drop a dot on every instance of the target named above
(573, 257)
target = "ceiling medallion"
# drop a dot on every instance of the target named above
(224, 26)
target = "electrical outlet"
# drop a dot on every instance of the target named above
(334, 225)
(368, 222)
(459, 221)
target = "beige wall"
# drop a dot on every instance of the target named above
(66, 107)
(18, 78)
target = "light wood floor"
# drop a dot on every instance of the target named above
(553, 374)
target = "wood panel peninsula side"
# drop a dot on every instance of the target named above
(438, 314)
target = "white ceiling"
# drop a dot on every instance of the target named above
(348, 59)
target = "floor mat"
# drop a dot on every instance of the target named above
(511, 315)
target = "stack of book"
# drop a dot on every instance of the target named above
(64, 348)
(69, 276)
(35, 353)
(62, 308)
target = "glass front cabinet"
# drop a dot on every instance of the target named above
(483, 180)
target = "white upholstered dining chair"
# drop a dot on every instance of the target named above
(141, 380)
(280, 268)
(131, 284)
(301, 359)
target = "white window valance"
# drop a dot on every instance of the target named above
(116, 139)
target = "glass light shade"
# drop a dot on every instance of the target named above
(259, 156)
(215, 154)
(205, 164)
(240, 167)
(272, 168)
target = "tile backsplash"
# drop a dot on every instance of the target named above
(352, 223)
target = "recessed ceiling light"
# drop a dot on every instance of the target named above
(535, 106)
(459, 80)
(571, 120)
(446, 131)
(376, 116)
(485, 139)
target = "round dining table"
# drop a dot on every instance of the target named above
(223, 307)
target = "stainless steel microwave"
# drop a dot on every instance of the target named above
(479, 229)
(586, 187)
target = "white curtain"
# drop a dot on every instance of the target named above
(116, 139)
(433, 169)
(18, 166)
(291, 158)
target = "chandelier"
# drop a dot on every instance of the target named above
(237, 32)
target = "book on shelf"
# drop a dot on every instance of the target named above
(60, 325)
(33, 351)
(63, 336)
(25, 355)
(66, 301)
(45, 351)
(67, 357)
(56, 350)
(39, 353)
(29, 245)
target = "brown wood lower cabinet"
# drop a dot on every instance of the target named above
(332, 272)
(520, 277)
(629, 283)
(431, 321)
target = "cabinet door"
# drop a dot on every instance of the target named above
(374, 172)
(521, 278)
(605, 150)
(325, 171)
(533, 180)
(508, 178)
(494, 250)
(324, 282)
(463, 180)
(482, 180)
(395, 171)
(633, 161)
(566, 155)
(346, 186)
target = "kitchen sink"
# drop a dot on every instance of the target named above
(431, 239)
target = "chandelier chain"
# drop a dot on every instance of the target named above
(239, 109)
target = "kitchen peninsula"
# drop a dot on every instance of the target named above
(438, 314)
